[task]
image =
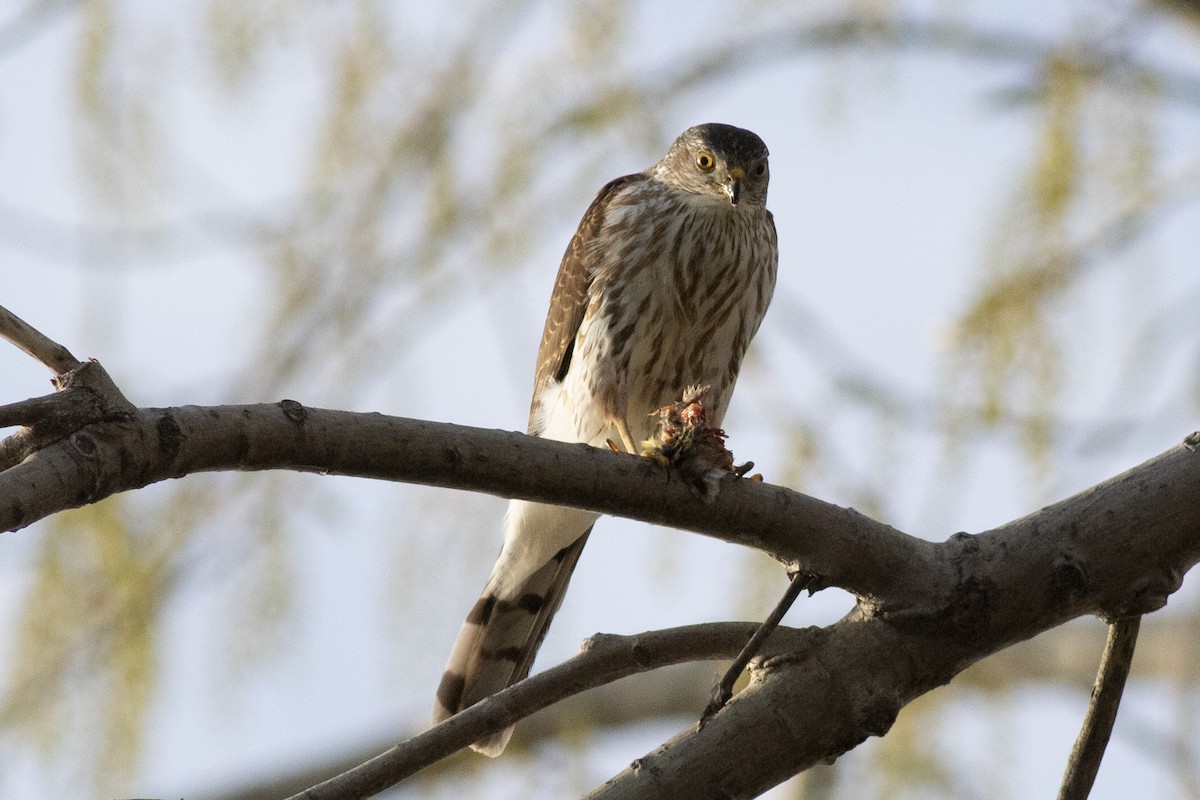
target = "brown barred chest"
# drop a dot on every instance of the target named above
(675, 305)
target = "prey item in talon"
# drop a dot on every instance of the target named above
(684, 439)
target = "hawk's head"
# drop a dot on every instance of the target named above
(718, 161)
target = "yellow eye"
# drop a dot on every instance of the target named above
(705, 160)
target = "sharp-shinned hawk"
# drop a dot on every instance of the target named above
(661, 288)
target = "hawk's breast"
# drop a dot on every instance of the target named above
(680, 289)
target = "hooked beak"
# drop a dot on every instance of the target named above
(733, 185)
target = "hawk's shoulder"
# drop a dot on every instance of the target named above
(569, 300)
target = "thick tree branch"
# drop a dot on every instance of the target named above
(892, 572)
(149, 445)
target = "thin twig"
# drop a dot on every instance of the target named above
(724, 687)
(1084, 761)
(36, 344)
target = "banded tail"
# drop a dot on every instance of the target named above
(500, 638)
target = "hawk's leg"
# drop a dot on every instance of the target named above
(626, 436)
